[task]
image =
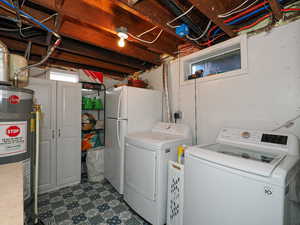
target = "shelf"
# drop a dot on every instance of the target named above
(93, 86)
(92, 109)
(93, 130)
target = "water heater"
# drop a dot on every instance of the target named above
(16, 136)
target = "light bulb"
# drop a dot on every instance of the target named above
(121, 42)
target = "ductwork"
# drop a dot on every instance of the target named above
(4, 63)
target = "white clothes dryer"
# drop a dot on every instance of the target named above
(146, 162)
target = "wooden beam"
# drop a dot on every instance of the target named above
(85, 33)
(99, 37)
(17, 45)
(60, 63)
(276, 9)
(35, 13)
(211, 9)
(79, 48)
(107, 17)
(149, 11)
(84, 49)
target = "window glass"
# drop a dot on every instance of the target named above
(219, 64)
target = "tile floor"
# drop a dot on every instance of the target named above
(87, 204)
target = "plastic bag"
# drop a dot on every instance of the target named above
(95, 165)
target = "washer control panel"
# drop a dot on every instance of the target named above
(265, 139)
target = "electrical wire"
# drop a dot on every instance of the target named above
(49, 53)
(265, 17)
(290, 9)
(19, 23)
(245, 12)
(245, 15)
(248, 26)
(202, 35)
(50, 50)
(145, 41)
(30, 18)
(29, 27)
(147, 31)
(288, 123)
(178, 17)
(255, 23)
(266, 7)
(212, 40)
(9, 10)
(232, 10)
(237, 9)
(232, 20)
(23, 3)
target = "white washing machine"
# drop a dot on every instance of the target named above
(245, 178)
(146, 161)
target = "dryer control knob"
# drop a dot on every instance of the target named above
(245, 134)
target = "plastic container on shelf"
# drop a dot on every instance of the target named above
(97, 103)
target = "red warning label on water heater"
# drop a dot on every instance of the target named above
(14, 99)
(13, 138)
(13, 131)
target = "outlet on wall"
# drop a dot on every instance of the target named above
(178, 115)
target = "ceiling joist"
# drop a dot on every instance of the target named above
(84, 32)
(109, 23)
(211, 9)
(276, 9)
(88, 28)
(39, 50)
(152, 12)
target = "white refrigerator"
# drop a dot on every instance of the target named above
(128, 110)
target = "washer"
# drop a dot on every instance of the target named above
(146, 161)
(245, 178)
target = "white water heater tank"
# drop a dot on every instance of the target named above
(16, 63)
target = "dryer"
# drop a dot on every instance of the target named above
(245, 178)
(146, 161)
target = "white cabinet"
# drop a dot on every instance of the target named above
(60, 151)
(69, 132)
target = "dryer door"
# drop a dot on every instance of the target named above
(140, 170)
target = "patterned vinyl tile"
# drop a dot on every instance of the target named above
(87, 204)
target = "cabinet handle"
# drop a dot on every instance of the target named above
(58, 132)
(53, 134)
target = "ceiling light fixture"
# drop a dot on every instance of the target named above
(122, 33)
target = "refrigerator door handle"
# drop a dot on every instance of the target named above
(119, 104)
(118, 134)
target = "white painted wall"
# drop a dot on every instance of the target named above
(264, 98)
(154, 78)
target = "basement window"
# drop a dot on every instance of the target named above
(219, 64)
(65, 76)
(228, 58)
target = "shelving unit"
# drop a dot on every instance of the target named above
(91, 91)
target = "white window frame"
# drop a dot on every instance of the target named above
(210, 52)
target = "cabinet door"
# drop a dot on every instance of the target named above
(45, 95)
(69, 133)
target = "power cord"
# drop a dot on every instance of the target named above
(287, 124)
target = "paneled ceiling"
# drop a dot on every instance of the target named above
(89, 37)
